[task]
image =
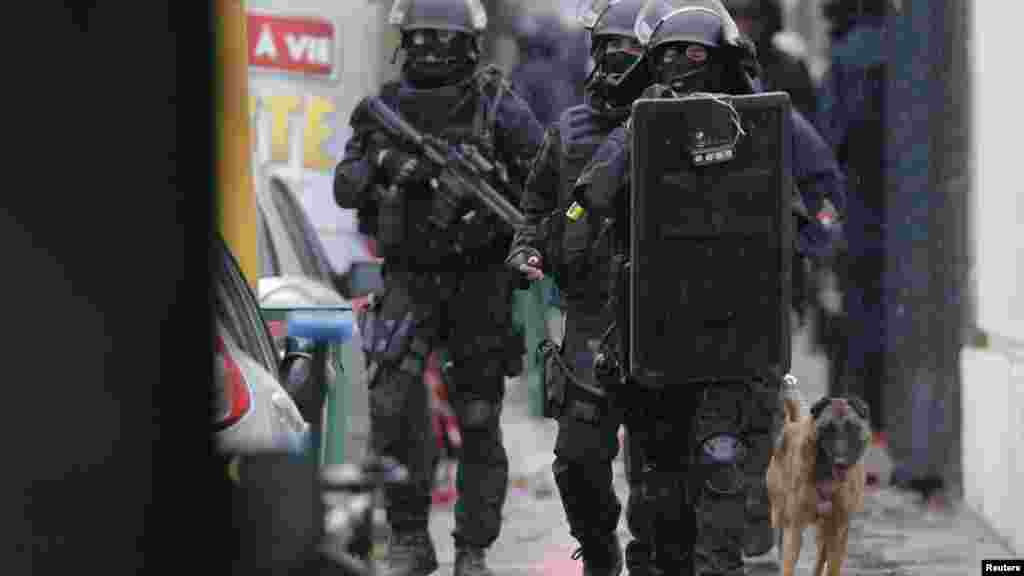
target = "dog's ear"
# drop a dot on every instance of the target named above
(819, 406)
(859, 406)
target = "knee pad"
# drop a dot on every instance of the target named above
(721, 449)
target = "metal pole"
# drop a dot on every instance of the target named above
(236, 202)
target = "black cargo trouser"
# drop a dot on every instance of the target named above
(659, 512)
(587, 440)
(468, 312)
(672, 491)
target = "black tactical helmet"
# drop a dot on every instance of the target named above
(441, 38)
(608, 21)
(704, 22)
(605, 18)
(714, 47)
(467, 16)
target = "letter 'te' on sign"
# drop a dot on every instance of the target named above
(291, 44)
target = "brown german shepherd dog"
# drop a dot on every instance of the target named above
(816, 476)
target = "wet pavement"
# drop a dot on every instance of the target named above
(894, 536)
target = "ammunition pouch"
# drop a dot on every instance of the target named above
(567, 393)
(574, 260)
(388, 339)
(391, 218)
(552, 377)
(585, 251)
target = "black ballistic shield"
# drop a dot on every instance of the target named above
(711, 239)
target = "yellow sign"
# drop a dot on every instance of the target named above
(316, 132)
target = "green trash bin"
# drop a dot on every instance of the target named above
(531, 313)
(336, 402)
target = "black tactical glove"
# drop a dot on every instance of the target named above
(528, 262)
(658, 91)
(401, 168)
(445, 203)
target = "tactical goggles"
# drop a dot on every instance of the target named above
(426, 36)
(619, 53)
(683, 55)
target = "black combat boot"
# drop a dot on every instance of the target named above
(758, 535)
(410, 554)
(719, 562)
(602, 555)
(718, 550)
(640, 559)
(471, 561)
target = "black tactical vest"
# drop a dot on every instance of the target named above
(576, 268)
(461, 113)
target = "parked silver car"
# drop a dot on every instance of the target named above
(295, 271)
(252, 412)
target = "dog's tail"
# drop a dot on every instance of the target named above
(792, 399)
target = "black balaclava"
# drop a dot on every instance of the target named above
(436, 58)
(612, 58)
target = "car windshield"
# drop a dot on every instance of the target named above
(304, 238)
(270, 263)
(237, 309)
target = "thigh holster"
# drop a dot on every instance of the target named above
(565, 392)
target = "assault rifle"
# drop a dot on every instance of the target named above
(463, 163)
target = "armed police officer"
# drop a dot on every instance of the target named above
(693, 46)
(444, 279)
(566, 246)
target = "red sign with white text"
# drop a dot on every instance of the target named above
(291, 44)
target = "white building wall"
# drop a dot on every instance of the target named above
(993, 370)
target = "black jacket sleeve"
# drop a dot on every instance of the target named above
(540, 196)
(519, 134)
(357, 171)
(606, 175)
